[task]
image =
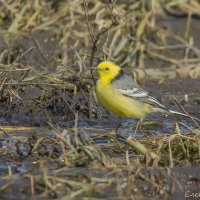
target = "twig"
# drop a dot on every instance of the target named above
(140, 147)
(22, 55)
(76, 128)
(170, 154)
(91, 32)
(95, 38)
(184, 111)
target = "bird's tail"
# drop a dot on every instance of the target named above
(183, 114)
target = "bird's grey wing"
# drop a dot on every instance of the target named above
(129, 88)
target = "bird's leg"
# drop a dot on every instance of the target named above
(137, 126)
(119, 124)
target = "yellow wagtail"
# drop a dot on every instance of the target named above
(118, 93)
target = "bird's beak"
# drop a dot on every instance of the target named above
(93, 68)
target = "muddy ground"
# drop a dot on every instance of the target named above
(56, 142)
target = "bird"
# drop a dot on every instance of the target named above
(119, 94)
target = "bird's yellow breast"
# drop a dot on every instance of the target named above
(123, 106)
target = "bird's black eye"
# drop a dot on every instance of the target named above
(107, 68)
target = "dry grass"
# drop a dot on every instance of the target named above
(65, 167)
(45, 50)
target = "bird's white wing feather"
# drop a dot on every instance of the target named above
(137, 93)
(133, 92)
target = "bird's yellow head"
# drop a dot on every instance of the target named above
(108, 70)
